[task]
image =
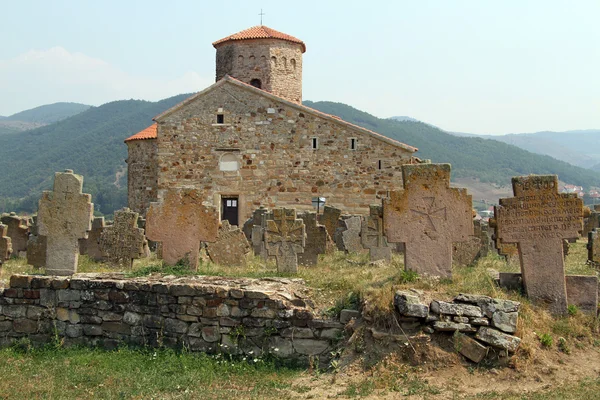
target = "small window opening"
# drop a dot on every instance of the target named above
(379, 164)
(256, 83)
(353, 144)
(220, 119)
(315, 143)
(231, 202)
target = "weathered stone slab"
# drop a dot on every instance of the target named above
(469, 347)
(498, 339)
(505, 321)
(449, 326)
(593, 247)
(372, 237)
(409, 304)
(481, 230)
(466, 310)
(18, 231)
(5, 244)
(36, 246)
(351, 235)
(428, 216)
(538, 218)
(330, 218)
(180, 222)
(591, 222)
(255, 219)
(316, 239)
(123, 241)
(285, 238)
(231, 246)
(466, 253)
(64, 216)
(91, 245)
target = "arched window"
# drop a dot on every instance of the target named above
(252, 61)
(284, 63)
(293, 64)
(229, 162)
(256, 83)
(240, 61)
(263, 61)
(273, 62)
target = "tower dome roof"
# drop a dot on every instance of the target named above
(260, 32)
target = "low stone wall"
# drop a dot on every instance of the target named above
(207, 314)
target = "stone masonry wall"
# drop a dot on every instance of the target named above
(272, 142)
(208, 314)
(277, 63)
(142, 174)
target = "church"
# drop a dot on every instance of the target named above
(247, 141)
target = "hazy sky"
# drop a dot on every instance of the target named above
(476, 66)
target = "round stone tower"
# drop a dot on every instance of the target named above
(264, 58)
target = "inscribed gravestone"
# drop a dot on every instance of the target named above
(428, 216)
(64, 217)
(330, 218)
(181, 221)
(5, 244)
(123, 241)
(316, 239)
(18, 231)
(372, 237)
(91, 245)
(36, 247)
(231, 246)
(285, 238)
(537, 219)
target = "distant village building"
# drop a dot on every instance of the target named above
(574, 189)
(248, 141)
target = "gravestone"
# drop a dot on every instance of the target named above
(257, 231)
(316, 239)
(64, 216)
(350, 236)
(231, 246)
(255, 219)
(467, 252)
(181, 221)
(5, 244)
(591, 222)
(330, 218)
(91, 245)
(18, 231)
(593, 247)
(36, 246)
(123, 241)
(537, 219)
(372, 237)
(428, 216)
(481, 231)
(285, 238)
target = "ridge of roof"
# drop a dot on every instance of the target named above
(150, 132)
(260, 32)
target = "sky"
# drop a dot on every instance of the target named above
(485, 67)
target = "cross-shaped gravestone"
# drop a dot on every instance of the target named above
(316, 239)
(181, 221)
(91, 245)
(65, 215)
(123, 241)
(18, 231)
(256, 230)
(36, 246)
(537, 219)
(285, 238)
(372, 236)
(5, 244)
(428, 215)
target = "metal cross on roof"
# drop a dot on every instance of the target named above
(261, 15)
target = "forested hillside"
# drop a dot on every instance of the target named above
(39, 116)
(486, 159)
(90, 143)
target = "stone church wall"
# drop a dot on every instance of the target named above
(142, 174)
(272, 142)
(239, 316)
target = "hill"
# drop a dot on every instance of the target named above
(404, 118)
(577, 147)
(39, 116)
(90, 143)
(471, 157)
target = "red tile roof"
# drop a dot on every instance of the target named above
(260, 32)
(148, 133)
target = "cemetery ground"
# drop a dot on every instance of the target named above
(557, 359)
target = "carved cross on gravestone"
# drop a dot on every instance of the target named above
(18, 231)
(91, 245)
(123, 241)
(316, 239)
(181, 221)
(285, 238)
(372, 235)
(427, 216)
(537, 219)
(64, 217)
(5, 244)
